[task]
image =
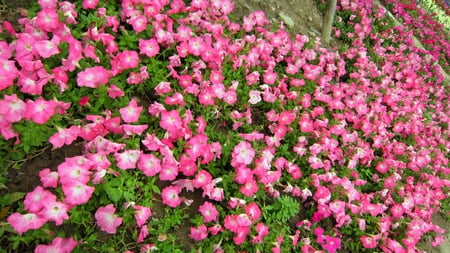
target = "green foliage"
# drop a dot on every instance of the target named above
(284, 208)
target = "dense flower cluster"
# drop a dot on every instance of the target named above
(254, 120)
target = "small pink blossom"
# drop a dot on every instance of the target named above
(55, 211)
(142, 214)
(132, 112)
(143, 233)
(90, 4)
(127, 159)
(208, 211)
(60, 245)
(107, 220)
(48, 178)
(24, 222)
(93, 77)
(170, 196)
(243, 153)
(150, 47)
(198, 233)
(149, 164)
(36, 200)
(12, 108)
(77, 193)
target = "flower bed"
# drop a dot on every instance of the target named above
(255, 139)
(425, 28)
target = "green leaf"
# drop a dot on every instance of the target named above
(115, 194)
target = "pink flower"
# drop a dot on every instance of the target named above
(142, 214)
(127, 159)
(131, 113)
(208, 211)
(322, 195)
(74, 170)
(262, 230)
(37, 199)
(311, 72)
(24, 222)
(332, 244)
(199, 233)
(149, 164)
(12, 108)
(47, 20)
(126, 60)
(139, 23)
(243, 153)
(369, 242)
(149, 47)
(306, 125)
(48, 178)
(107, 220)
(93, 77)
(48, 48)
(249, 188)
(77, 193)
(89, 4)
(114, 91)
(55, 211)
(169, 170)
(60, 245)
(40, 111)
(64, 136)
(143, 233)
(202, 178)
(253, 211)
(171, 120)
(170, 196)
(241, 235)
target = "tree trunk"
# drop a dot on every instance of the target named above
(328, 21)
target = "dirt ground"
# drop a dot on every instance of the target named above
(300, 16)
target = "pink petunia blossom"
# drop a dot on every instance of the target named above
(150, 47)
(170, 196)
(74, 170)
(107, 220)
(36, 200)
(127, 159)
(143, 233)
(149, 164)
(24, 222)
(169, 170)
(170, 120)
(132, 112)
(49, 178)
(93, 77)
(90, 4)
(262, 230)
(12, 108)
(60, 245)
(138, 22)
(47, 19)
(77, 193)
(253, 211)
(202, 179)
(369, 242)
(208, 211)
(55, 211)
(249, 188)
(64, 136)
(243, 153)
(198, 233)
(48, 48)
(114, 91)
(142, 213)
